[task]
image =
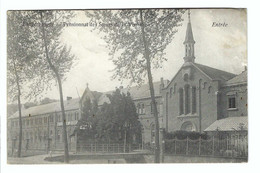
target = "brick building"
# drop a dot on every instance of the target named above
(199, 96)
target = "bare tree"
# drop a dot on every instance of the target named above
(18, 69)
(53, 59)
(58, 57)
(137, 40)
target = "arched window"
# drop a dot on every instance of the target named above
(174, 88)
(180, 101)
(187, 98)
(185, 77)
(204, 85)
(188, 126)
(138, 108)
(143, 109)
(194, 104)
(171, 91)
(209, 89)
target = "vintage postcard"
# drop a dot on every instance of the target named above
(122, 86)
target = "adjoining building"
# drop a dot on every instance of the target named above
(42, 126)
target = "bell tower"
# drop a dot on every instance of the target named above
(189, 43)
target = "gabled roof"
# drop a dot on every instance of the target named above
(229, 124)
(213, 73)
(48, 108)
(136, 92)
(92, 95)
(239, 79)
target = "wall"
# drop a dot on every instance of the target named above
(208, 106)
(146, 118)
(240, 94)
(37, 129)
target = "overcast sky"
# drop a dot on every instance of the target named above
(224, 48)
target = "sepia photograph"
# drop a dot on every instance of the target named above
(127, 86)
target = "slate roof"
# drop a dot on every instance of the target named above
(215, 74)
(241, 78)
(136, 92)
(229, 124)
(189, 36)
(48, 108)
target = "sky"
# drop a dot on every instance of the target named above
(224, 48)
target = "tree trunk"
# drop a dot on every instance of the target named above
(20, 112)
(66, 150)
(150, 80)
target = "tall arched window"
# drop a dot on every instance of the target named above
(143, 110)
(171, 91)
(180, 101)
(187, 99)
(204, 85)
(209, 89)
(194, 104)
(174, 88)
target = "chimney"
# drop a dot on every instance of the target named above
(69, 98)
(162, 84)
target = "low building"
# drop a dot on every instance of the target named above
(42, 126)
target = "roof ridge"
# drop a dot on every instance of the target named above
(214, 68)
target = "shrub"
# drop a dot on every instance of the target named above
(184, 134)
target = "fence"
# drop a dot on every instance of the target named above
(107, 147)
(210, 147)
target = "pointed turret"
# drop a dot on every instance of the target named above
(189, 43)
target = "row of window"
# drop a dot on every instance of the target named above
(140, 108)
(43, 135)
(173, 89)
(71, 116)
(187, 100)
